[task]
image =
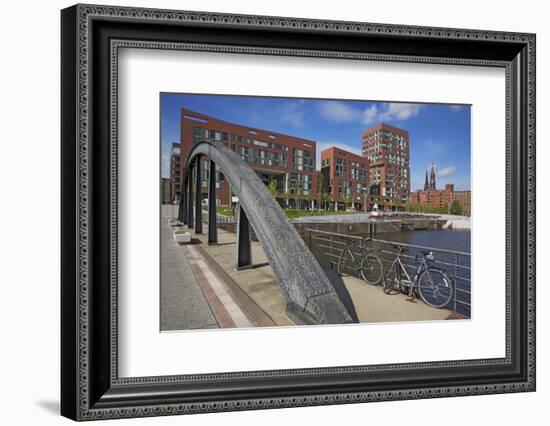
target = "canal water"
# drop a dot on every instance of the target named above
(457, 240)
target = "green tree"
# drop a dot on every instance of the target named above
(347, 201)
(287, 195)
(298, 190)
(456, 208)
(272, 187)
(325, 196)
(320, 184)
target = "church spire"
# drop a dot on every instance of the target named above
(432, 177)
(426, 186)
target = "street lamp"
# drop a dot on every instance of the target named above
(365, 190)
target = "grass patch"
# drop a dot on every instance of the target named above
(295, 213)
(290, 213)
(223, 210)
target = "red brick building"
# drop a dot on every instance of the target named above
(464, 198)
(388, 151)
(433, 198)
(345, 177)
(287, 160)
(175, 172)
(166, 191)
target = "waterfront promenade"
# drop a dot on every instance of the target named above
(206, 291)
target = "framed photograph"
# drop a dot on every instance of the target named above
(263, 212)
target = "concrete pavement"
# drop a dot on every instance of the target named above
(182, 303)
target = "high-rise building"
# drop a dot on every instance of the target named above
(388, 151)
(346, 178)
(175, 172)
(289, 161)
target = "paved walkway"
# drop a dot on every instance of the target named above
(258, 284)
(230, 308)
(182, 303)
(373, 305)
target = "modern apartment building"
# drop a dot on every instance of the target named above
(175, 172)
(388, 152)
(345, 178)
(287, 160)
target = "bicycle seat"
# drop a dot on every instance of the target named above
(428, 255)
(399, 247)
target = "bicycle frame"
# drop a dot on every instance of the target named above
(422, 266)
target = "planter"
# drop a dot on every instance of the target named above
(182, 237)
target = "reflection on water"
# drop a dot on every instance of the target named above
(457, 240)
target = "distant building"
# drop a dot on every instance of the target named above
(433, 198)
(175, 172)
(166, 190)
(388, 151)
(345, 175)
(287, 160)
(464, 199)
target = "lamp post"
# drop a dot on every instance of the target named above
(366, 190)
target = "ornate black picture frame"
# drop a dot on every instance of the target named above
(91, 387)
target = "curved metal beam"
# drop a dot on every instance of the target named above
(310, 295)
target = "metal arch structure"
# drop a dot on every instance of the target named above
(310, 295)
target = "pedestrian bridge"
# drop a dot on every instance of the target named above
(311, 297)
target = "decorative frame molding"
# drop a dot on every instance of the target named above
(91, 37)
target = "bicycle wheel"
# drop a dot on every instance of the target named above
(371, 269)
(392, 276)
(435, 287)
(345, 261)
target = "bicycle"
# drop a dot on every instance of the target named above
(433, 284)
(368, 265)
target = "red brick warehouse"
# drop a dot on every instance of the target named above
(287, 160)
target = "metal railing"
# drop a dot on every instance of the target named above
(328, 246)
(220, 219)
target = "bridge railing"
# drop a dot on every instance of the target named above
(328, 247)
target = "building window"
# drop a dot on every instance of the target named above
(344, 188)
(340, 167)
(303, 160)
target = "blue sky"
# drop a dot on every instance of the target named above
(437, 132)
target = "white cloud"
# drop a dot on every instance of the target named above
(165, 165)
(293, 113)
(370, 115)
(339, 112)
(446, 171)
(390, 112)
